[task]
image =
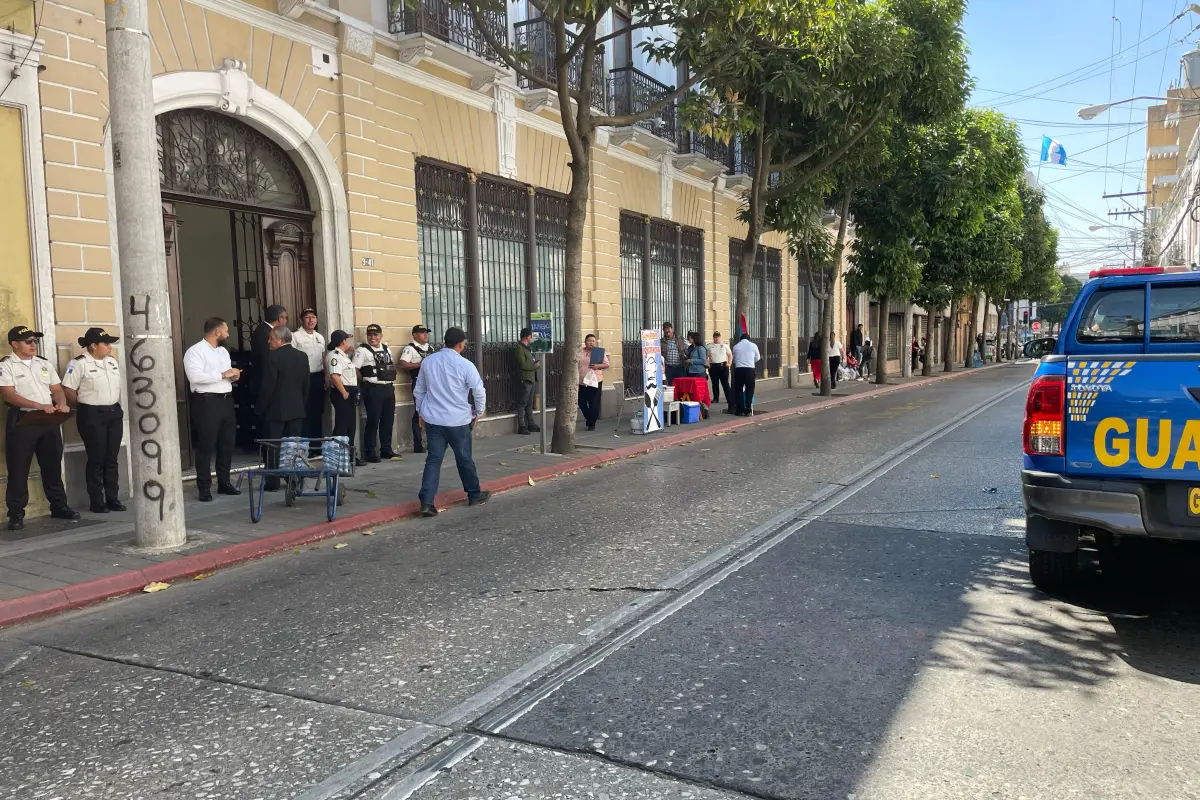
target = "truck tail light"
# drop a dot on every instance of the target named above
(1045, 415)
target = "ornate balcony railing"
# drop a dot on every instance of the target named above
(740, 157)
(701, 145)
(450, 22)
(633, 92)
(535, 37)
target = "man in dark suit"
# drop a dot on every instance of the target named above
(273, 317)
(281, 395)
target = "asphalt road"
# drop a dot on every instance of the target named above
(831, 606)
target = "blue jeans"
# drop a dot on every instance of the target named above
(458, 438)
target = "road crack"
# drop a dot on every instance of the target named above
(551, 590)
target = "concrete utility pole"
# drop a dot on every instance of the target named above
(149, 352)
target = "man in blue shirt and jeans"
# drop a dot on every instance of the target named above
(448, 417)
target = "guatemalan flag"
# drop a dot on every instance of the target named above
(1052, 151)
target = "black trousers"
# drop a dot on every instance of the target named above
(345, 414)
(589, 403)
(216, 429)
(418, 447)
(314, 408)
(743, 390)
(720, 372)
(100, 430)
(279, 429)
(23, 443)
(525, 406)
(835, 363)
(379, 399)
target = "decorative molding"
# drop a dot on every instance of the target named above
(483, 80)
(537, 99)
(707, 168)
(506, 129)
(274, 23)
(358, 40)
(640, 137)
(410, 74)
(413, 52)
(666, 194)
(273, 117)
(22, 93)
(719, 183)
(237, 88)
(294, 9)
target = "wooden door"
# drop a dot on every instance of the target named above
(287, 266)
(171, 226)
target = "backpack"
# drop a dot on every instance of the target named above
(697, 360)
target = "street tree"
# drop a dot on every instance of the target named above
(707, 35)
(1054, 313)
(1038, 280)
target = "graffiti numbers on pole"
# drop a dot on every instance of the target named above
(145, 400)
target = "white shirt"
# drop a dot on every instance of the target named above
(365, 357)
(340, 363)
(718, 352)
(313, 346)
(32, 379)
(203, 364)
(415, 353)
(97, 382)
(745, 354)
(836, 349)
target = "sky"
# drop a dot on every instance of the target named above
(1038, 62)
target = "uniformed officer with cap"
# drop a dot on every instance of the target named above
(410, 359)
(309, 341)
(378, 371)
(343, 388)
(30, 387)
(92, 384)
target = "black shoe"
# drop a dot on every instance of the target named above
(228, 490)
(372, 458)
(428, 510)
(98, 508)
(591, 427)
(535, 429)
(115, 505)
(390, 456)
(484, 496)
(205, 496)
(358, 462)
(523, 432)
(16, 523)
(64, 512)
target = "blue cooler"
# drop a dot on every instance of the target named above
(689, 412)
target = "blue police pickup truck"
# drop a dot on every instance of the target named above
(1112, 424)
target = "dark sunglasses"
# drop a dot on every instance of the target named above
(30, 340)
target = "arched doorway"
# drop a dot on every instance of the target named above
(238, 228)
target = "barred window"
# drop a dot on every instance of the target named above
(662, 274)
(552, 258)
(503, 232)
(692, 266)
(631, 278)
(441, 246)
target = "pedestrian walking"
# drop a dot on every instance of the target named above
(591, 380)
(856, 342)
(527, 369)
(814, 358)
(448, 418)
(674, 355)
(378, 371)
(92, 384)
(837, 353)
(868, 359)
(37, 406)
(914, 353)
(720, 360)
(343, 390)
(308, 340)
(282, 396)
(745, 360)
(410, 360)
(211, 375)
(260, 346)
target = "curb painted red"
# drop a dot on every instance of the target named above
(77, 595)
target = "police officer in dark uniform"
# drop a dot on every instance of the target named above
(92, 384)
(378, 371)
(36, 407)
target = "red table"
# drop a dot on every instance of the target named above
(695, 389)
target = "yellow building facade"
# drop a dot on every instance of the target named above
(376, 165)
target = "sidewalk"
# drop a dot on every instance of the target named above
(53, 566)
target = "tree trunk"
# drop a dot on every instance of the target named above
(906, 355)
(568, 395)
(931, 331)
(754, 226)
(951, 336)
(968, 356)
(835, 272)
(881, 325)
(999, 345)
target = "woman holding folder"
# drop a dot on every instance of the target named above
(592, 363)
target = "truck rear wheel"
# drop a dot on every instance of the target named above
(1051, 571)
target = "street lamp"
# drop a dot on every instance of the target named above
(1091, 112)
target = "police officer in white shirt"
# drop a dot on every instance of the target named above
(410, 359)
(307, 339)
(30, 387)
(343, 388)
(378, 370)
(210, 375)
(92, 383)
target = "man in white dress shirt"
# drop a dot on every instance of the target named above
(210, 377)
(307, 339)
